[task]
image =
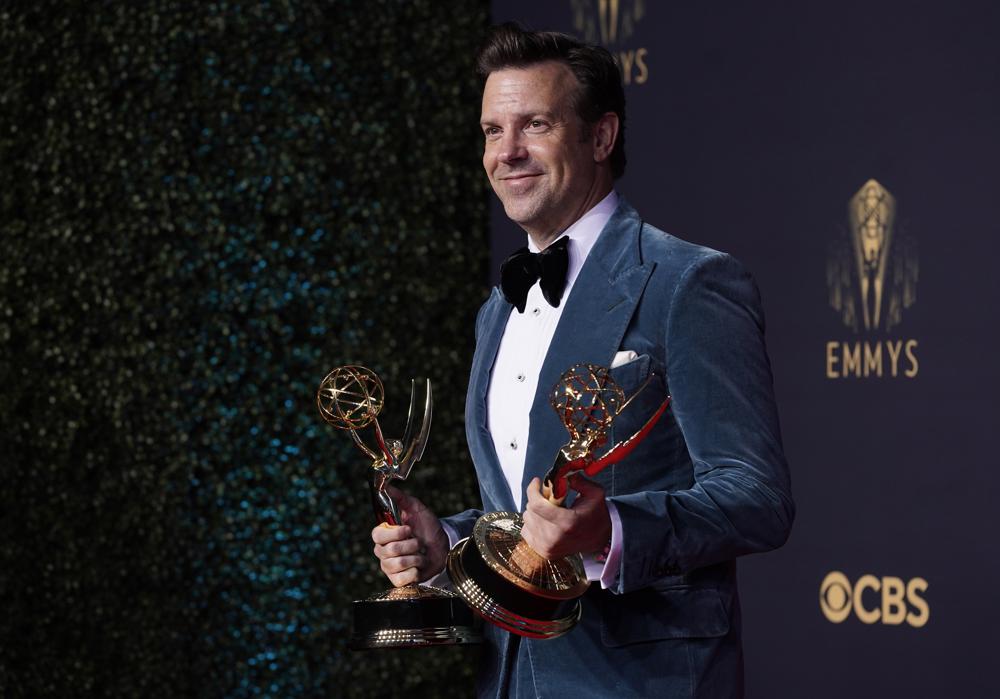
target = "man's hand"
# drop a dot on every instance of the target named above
(555, 531)
(415, 550)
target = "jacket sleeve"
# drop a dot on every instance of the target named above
(460, 525)
(720, 381)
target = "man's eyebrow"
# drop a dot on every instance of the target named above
(541, 113)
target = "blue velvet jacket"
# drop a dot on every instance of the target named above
(710, 483)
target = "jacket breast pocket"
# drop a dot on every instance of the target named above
(654, 614)
(645, 399)
(631, 374)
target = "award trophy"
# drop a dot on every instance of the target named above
(351, 398)
(502, 578)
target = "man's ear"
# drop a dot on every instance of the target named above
(605, 134)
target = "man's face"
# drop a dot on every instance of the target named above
(539, 156)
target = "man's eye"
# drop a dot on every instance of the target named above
(491, 132)
(536, 125)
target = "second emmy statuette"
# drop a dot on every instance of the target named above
(350, 398)
(502, 578)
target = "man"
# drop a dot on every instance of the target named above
(710, 483)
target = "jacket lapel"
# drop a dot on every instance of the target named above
(590, 330)
(493, 484)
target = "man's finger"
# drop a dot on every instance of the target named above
(407, 503)
(395, 549)
(384, 534)
(528, 530)
(536, 535)
(534, 490)
(538, 502)
(549, 513)
(407, 577)
(528, 520)
(397, 495)
(400, 563)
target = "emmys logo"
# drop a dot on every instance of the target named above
(612, 23)
(888, 599)
(871, 277)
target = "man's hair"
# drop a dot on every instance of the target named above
(509, 46)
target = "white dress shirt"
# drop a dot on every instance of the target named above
(514, 379)
(522, 351)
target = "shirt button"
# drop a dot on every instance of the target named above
(520, 377)
(513, 444)
(536, 311)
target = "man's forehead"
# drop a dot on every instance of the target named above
(539, 86)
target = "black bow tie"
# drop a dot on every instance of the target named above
(520, 271)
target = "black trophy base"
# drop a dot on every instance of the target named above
(413, 617)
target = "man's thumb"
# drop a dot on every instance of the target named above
(397, 495)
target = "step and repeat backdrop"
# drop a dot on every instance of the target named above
(848, 154)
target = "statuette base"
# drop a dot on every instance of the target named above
(507, 583)
(411, 617)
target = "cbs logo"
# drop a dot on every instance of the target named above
(888, 599)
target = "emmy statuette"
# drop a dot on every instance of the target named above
(350, 398)
(502, 578)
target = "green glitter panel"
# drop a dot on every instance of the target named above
(204, 207)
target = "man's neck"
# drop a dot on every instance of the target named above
(542, 238)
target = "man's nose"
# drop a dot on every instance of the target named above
(512, 147)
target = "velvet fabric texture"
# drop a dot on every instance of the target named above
(709, 484)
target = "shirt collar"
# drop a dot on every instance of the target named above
(584, 233)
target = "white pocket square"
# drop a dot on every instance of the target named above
(623, 358)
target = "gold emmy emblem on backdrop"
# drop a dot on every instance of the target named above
(502, 578)
(351, 398)
(606, 21)
(878, 269)
(872, 270)
(613, 24)
(872, 212)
